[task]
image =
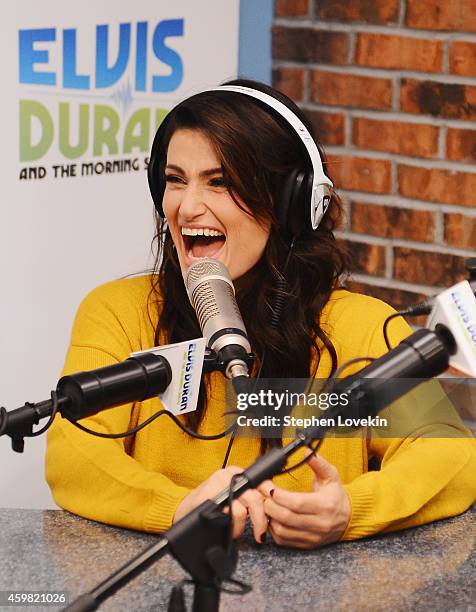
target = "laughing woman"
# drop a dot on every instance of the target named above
(232, 175)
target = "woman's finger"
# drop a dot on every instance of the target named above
(288, 517)
(284, 536)
(253, 501)
(266, 487)
(239, 514)
(301, 503)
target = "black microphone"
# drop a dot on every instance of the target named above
(212, 295)
(134, 380)
(421, 356)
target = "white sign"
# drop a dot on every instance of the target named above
(186, 362)
(83, 90)
(455, 308)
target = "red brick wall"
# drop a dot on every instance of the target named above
(390, 87)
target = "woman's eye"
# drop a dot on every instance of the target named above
(171, 178)
(218, 182)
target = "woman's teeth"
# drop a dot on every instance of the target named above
(202, 231)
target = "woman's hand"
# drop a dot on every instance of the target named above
(308, 520)
(250, 502)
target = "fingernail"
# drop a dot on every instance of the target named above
(271, 492)
(263, 538)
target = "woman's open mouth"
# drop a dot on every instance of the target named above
(202, 242)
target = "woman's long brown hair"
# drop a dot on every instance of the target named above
(257, 151)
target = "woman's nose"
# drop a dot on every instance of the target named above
(192, 204)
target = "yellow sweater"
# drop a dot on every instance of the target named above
(138, 483)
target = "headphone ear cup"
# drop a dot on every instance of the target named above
(292, 210)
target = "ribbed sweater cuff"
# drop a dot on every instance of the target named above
(162, 509)
(362, 520)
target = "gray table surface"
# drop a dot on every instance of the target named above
(428, 568)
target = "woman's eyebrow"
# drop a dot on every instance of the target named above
(203, 173)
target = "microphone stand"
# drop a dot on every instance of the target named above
(200, 540)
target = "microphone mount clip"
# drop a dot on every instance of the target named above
(213, 361)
